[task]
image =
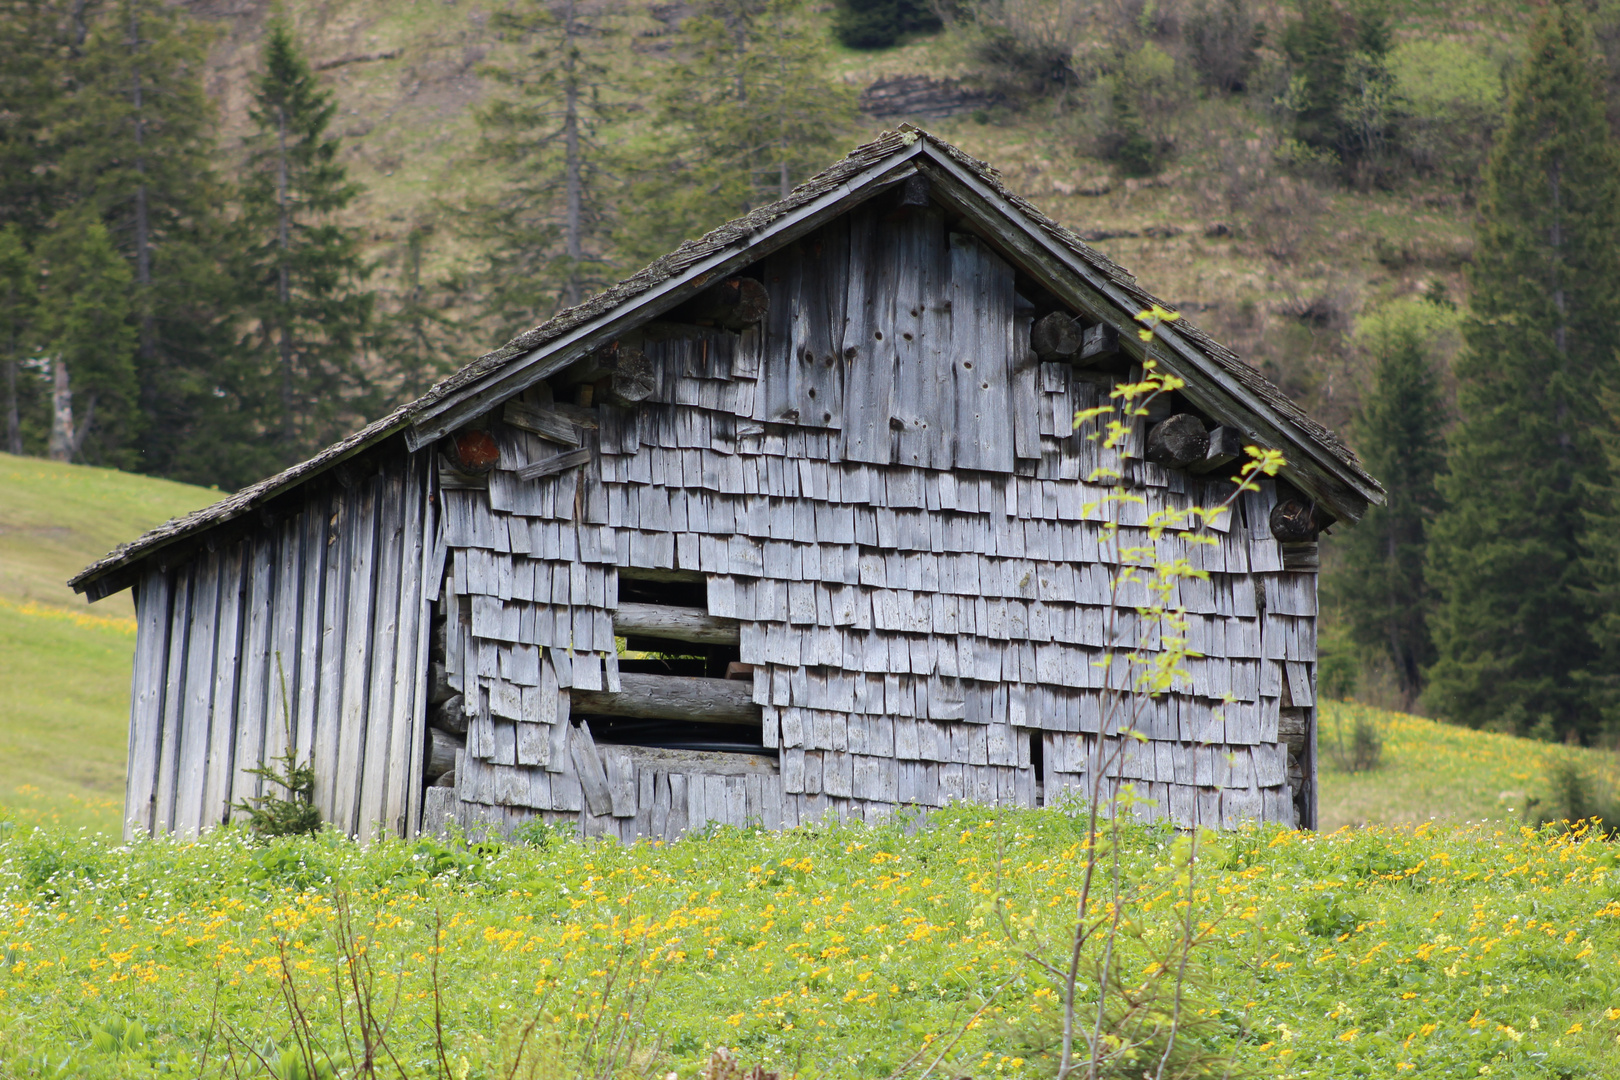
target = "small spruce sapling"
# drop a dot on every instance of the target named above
(293, 814)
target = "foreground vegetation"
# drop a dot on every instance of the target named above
(822, 952)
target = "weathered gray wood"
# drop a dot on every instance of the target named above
(868, 345)
(542, 422)
(352, 675)
(326, 546)
(923, 385)
(675, 623)
(379, 744)
(253, 700)
(589, 770)
(152, 599)
(647, 573)
(1083, 287)
(982, 340)
(517, 375)
(1025, 395)
(668, 697)
(183, 584)
(1178, 442)
(1225, 447)
(197, 685)
(424, 531)
(1099, 343)
(227, 662)
(658, 759)
(551, 466)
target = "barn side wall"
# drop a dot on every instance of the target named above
(907, 540)
(311, 627)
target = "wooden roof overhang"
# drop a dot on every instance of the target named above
(1218, 383)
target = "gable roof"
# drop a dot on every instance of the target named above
(1319, 463)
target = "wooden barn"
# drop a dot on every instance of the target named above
(817, 473)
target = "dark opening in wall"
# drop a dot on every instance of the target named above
(1037, 764)
(668, 634)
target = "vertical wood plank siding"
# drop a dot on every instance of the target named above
(327, 603)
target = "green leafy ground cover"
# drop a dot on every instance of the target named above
(821, 952)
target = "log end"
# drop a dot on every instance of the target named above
(1178, 442)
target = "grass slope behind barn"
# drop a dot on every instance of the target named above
(65, 664)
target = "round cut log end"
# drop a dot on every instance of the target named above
(1295, 521)
(474, 452)
(1178, 442)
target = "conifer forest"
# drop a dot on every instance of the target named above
(231, 235)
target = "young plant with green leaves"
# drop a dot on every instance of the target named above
(1118, 1016)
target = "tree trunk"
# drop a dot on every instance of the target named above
(573, 225)
(61, 444)
(284, 282)
(143, 226)
(13, 419)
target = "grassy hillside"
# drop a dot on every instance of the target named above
(64, 665)
(1432, 771)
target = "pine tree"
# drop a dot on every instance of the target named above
(1511, 633)
(17, 309)
(545, 229)
(747, 113)
(86, 330)
(303, 277)
(418, 334)
(136, 145)
(34, 49)
(1379, 587)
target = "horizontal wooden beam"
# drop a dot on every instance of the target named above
(648, 573)
(676, 623)
(672, 697)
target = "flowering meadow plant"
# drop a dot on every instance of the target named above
(832, 951)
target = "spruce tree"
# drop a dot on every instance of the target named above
(85, 326)
(748, 111)
(418, 335)
(35, 44)
(544, 229)
(1379, 587)
(1511, 633)
(17, 308)
(302, 275)
(136, 145)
